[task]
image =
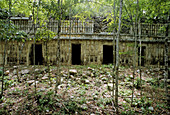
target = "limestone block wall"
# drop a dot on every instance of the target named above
(154, 53)
(14, 53)
(91, 52)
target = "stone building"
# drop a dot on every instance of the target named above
(85, 46)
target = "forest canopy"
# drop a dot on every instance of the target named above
(150, 10)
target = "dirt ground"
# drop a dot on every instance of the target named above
(86, 90)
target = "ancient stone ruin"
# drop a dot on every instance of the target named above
(86, 45)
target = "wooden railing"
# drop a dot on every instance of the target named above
(153, 29)
(77, 26)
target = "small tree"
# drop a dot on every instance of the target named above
(117, 56)
(6, 35)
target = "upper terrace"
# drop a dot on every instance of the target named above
(91, 28)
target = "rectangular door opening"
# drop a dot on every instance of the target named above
(38, 54)
(76, 54)
(107, 54)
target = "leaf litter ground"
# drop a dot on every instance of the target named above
(88, 90)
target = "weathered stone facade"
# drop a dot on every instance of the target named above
(85, 46)
(90, 48)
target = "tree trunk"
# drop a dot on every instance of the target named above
(166, 64)
(34, 46)
(47, 52)
(140, 51)
(3, 69)
(114, 57)
(18, 61)
(117, 56)
(58, 79)
(134, 59)
(69, 56)
(35, 86)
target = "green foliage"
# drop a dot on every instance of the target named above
(1, 72)
(162, 105)
(3, 14)
(82, 100)
(8, 83)
(71, 106)
(102, 102)
(9, 31)
(138, 83)
(45, 101)
(126, 53)
(128, 112)
(125, 92)
(20, 36)
(3, 110)
(155, 82)
(44, 34)
(16, 91)
(107, 66)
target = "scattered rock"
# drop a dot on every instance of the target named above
(84, 107)
(46, 75)
(88, 73)
(92, 114)
(6, 73)
(26, 71)
(62, 80)
(148, 72)
(64, 75)
(150, 108)
(73, 71)
(89, 68)
(104, 79)
(131, 76)
(37, 70)
(71, 97)
(15, 67)
(163, 80)
(95, 97)
(36, 82)
(15, 72)
(30, 82)
(53, 75)
(157, 69)
(87, 81)
(129, 84)
(92, 75)
(15, 76)
(44, 78)
(110, 86)
(60, 86)
(84, 76)
(121, 83)
(71, 76)
(42, 90)
(160, 77)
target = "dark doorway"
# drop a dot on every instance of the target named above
(38, 54)
(107, 54)
(76, 54)
(143, 48)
